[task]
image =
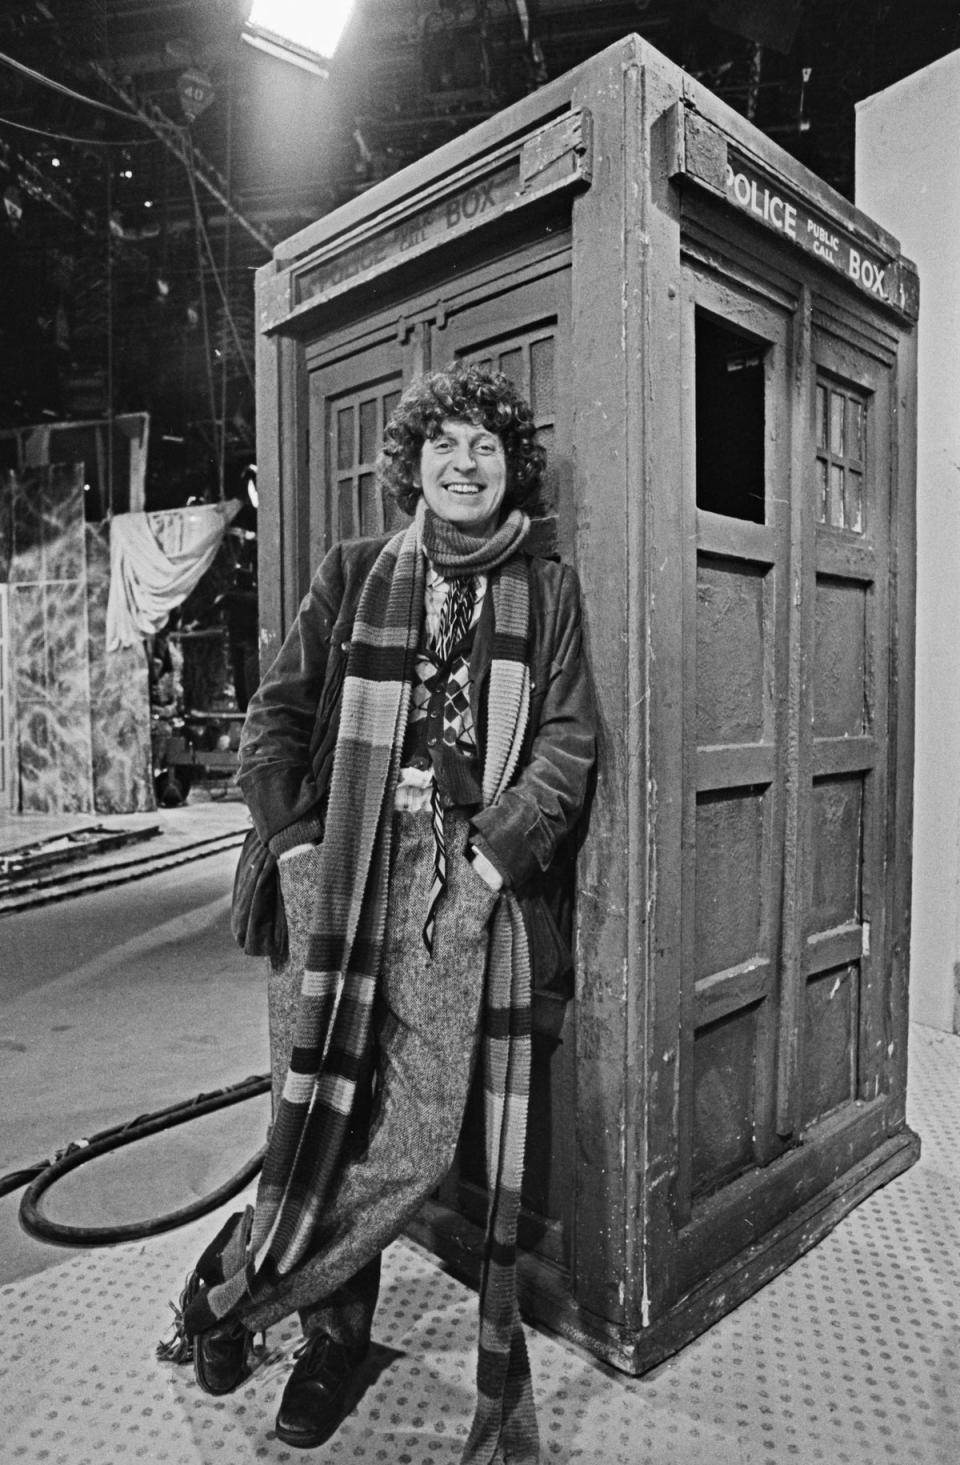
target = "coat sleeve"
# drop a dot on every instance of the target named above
(521, 833)
(276, 743)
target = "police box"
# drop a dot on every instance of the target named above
(720, 355)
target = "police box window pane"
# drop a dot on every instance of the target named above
(837, 441)
(836, 496)
(853, 501)
(729, 422)
(369, 436)
(346, 522)
(370, 505)
(511, 364)
(345, 450)
(841, 416)
(823, 503)
(389, 403)
(541, 377)
(856, 422)
(822, 421)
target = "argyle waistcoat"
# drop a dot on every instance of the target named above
(440, 730)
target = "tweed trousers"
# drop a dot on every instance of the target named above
(426, 1036)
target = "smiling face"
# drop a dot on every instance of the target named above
(463, 473)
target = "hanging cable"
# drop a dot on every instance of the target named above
(198, 219)
(110, 251)
(109, 496)
(226, 276)
(58, 86)
(226, 304)
(93, 142)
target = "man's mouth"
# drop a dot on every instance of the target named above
(466, 489)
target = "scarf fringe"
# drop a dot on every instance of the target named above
(179, 1348)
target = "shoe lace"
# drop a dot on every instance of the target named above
(312, 1354)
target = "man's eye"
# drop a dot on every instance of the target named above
(486, 446)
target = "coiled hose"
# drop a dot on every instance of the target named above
(40, 1177)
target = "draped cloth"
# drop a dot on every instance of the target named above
(344, 957)
(155, 561)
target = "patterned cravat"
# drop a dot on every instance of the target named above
(455, 617)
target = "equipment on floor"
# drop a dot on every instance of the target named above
(40, 1177)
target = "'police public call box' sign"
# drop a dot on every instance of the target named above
(808, 228)
(818, 222)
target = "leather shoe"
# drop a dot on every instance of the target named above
(221, 1358)
(315, 1399)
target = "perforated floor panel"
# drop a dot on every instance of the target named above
(851, 1357)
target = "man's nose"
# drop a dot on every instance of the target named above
(464, 458)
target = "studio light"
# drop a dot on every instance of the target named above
(300, 31)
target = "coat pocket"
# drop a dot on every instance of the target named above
(257, 918)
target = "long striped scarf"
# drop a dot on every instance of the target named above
(344, 957)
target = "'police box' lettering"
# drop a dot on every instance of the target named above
(815, 234)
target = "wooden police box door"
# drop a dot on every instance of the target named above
(514, 315)
(354, 385)
(787, 659)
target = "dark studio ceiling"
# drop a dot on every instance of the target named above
(130, 233)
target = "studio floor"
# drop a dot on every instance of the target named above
(115, 998)
(852, 1356)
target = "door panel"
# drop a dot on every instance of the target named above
(354, 431)
(350, 401)
(785, 699)
(735, 635)
(846, 806)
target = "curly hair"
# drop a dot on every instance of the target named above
(463, 393)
